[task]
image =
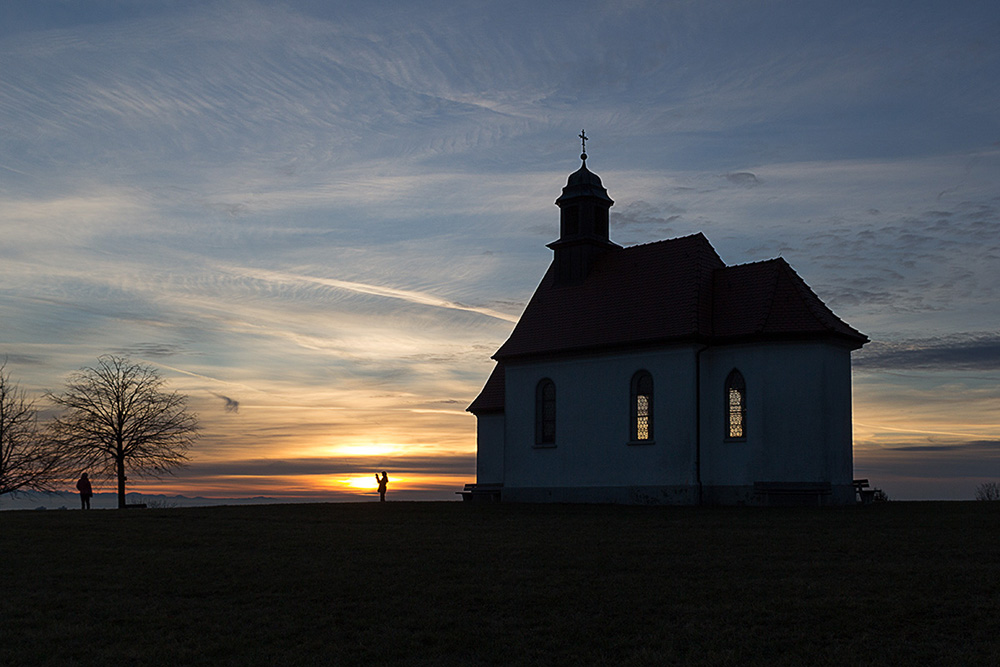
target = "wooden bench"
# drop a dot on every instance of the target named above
(481, 493)
(865, 494)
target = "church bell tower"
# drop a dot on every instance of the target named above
(583, 224)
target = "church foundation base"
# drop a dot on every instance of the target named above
(620, 495)
(760, 495)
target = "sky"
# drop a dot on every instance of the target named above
(319, 220)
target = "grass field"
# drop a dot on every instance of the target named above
(459, 584)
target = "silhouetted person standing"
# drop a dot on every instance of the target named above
(86, 491)
(383, 482)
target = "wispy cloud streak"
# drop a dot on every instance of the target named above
(334, 217)
(410, 296)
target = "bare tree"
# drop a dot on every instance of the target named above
(29, 461)
(988, 491)
(119, 420)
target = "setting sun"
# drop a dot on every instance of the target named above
(359, 482)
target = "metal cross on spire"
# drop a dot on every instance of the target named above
(583, 142)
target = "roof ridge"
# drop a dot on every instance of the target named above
(686, 237)
(756, 262)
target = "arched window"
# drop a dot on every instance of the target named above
(641, 407)
(545, 412)
(736, 406)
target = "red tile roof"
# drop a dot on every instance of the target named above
(769, 300)
(491, 398)
(670, 291)
(644, 293)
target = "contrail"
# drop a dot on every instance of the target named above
(412, 296)
(920, 430)
(199, 375)
(182, 371)
(3, 166)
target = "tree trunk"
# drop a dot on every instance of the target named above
(120, 470)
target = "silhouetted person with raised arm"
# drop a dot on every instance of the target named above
(383, 482)
(86, 491)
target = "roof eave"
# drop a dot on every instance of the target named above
(851, 342)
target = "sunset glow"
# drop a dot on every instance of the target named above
(319, 224)
(358, 483)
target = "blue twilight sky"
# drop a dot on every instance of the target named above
(319, 219)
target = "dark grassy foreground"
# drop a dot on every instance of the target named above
(447, 583)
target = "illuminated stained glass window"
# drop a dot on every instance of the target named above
(641, 403)
(642, 417)
(545, 413)
(736, 406)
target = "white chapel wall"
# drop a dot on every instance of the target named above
(489, 447)
(592, 423)
(798, 414)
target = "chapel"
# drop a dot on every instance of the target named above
(657, 374)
